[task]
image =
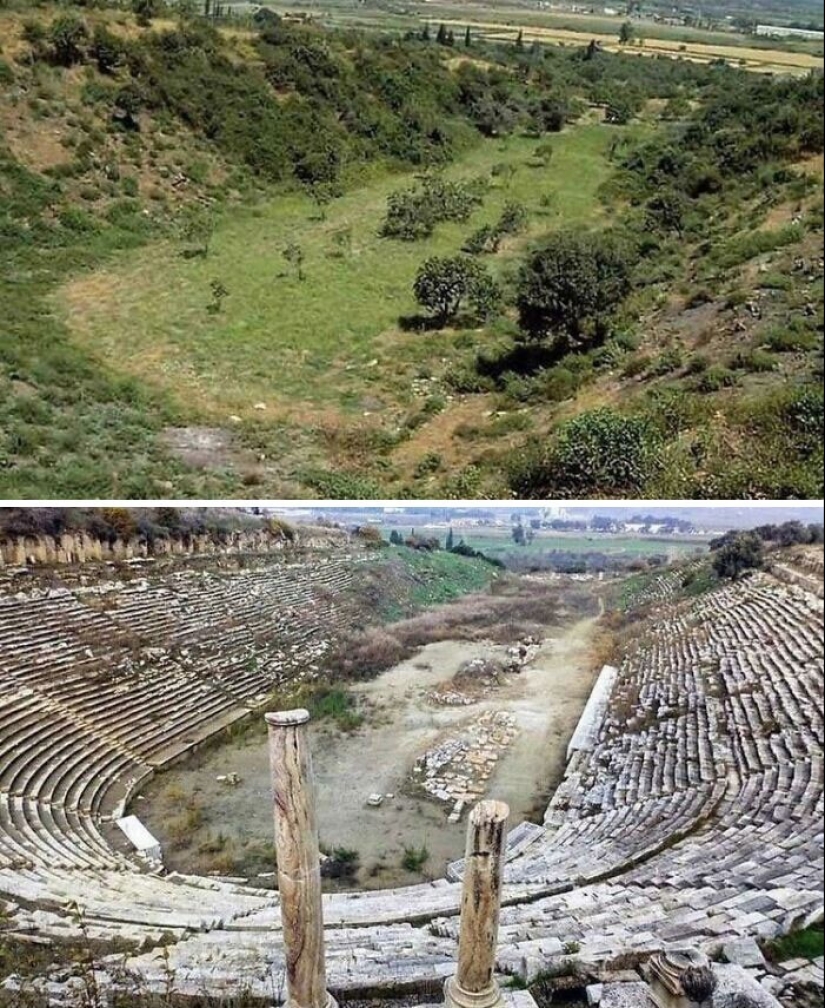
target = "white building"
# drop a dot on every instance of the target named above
(779, 31)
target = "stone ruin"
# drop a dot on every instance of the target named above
(689, 813)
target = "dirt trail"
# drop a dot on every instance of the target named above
(546, 699)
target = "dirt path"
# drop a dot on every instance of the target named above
(546, 700)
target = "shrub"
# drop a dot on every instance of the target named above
(667, 362)
(414, 859)
(67, 36)
(413, 213)
(805, 413)
(601, 452)
(790, 340)
(757, 361)
(738, 552)
(443, 284)
(716, 378)
(485, 239)
(513, 220)
(106, 50)
(367, 654)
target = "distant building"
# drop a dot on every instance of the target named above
(779, 31)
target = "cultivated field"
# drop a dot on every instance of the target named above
(498, 22)
(497, 541)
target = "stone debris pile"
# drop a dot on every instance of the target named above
(457, 771)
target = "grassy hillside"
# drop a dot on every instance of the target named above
(200, 300)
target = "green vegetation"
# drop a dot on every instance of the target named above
(442, 577)
(808, 943)
(414, 859)
(299, 190)
(336, 705)
(739, 553)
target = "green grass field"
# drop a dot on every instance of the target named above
(299, 346)
(497, 541)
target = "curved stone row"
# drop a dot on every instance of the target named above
(694, 814)
(101, 685)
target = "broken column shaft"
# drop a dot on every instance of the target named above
(299, 863)
(474, 985)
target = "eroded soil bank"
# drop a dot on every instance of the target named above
(426, 704)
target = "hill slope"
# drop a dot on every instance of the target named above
(199, 298)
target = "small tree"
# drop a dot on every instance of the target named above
(197, 231)
(342, 242)
(520, 40)
(146, 10)
(294, 255)
(105, 50)
(468, 39)
(129, 101)
(219, 294)
(504, 171)
(322, 193)
(67, 38)
(626, 33)
(667, 210)
(450, 541)
(739, 553)
(570, 287)
(443, 284)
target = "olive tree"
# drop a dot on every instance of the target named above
(569, 288)
(443, 284)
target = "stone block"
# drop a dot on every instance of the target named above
(626, 995)
(744, 952)
(735, 980)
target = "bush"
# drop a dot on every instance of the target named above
(414, 859)
(739, 552)
(756, 361)
(67, 36)
(602, 453)
(571, 286)
(413, 213)
(716, 378)
(790, 340)
(367, 654)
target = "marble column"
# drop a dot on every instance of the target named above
(474, 985)
(299, 863)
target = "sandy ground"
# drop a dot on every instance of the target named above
(546, 699)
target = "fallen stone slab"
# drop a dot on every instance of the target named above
(734, 980)
(744, 952)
